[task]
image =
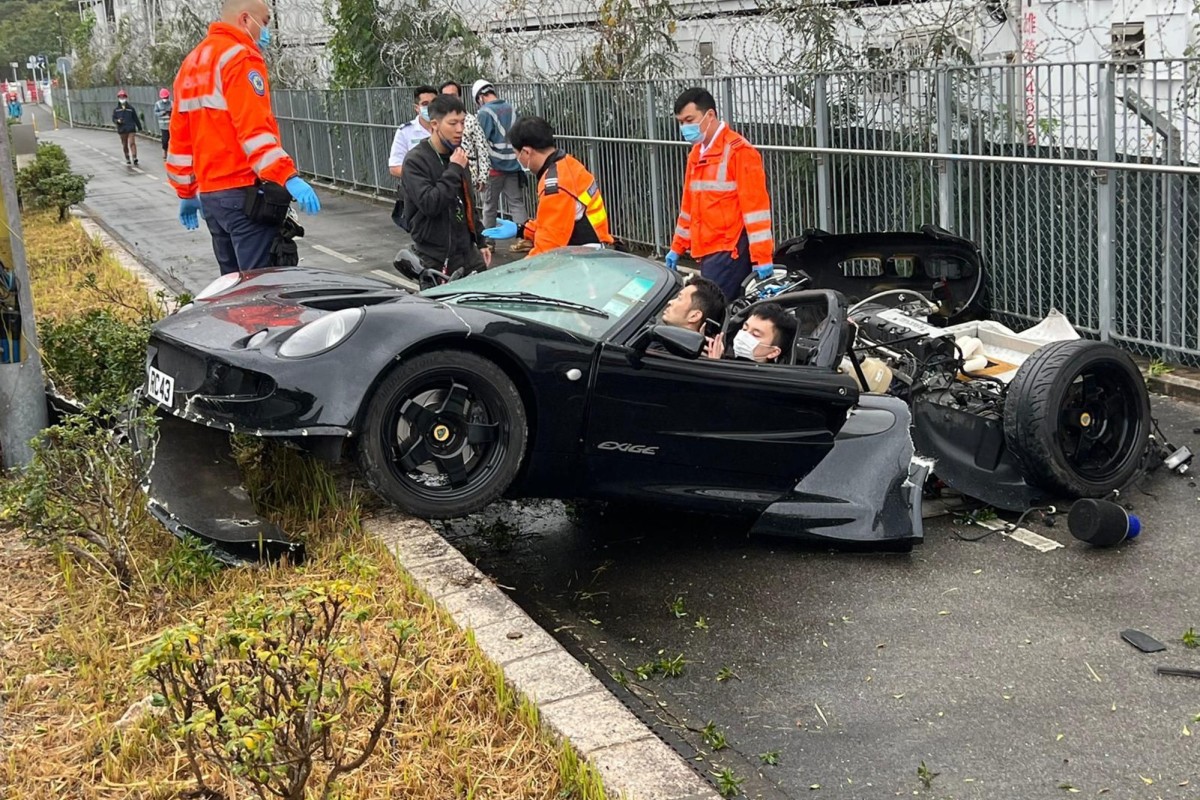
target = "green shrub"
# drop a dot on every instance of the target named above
(96, 358)
(279, 687)
(82, 492)
(49, 183)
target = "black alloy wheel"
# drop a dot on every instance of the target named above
(1077, 417)
(444, 435)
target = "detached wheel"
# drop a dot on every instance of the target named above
(1077, 418)
(444, 435)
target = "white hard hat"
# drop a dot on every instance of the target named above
(479, 87)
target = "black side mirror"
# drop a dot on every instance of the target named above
(407, 264)
(682, 342)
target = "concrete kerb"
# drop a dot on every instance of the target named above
(573, 704)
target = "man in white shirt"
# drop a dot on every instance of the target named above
(412, 131)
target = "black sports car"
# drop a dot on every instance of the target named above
(551, 377)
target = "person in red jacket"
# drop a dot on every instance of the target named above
(725, 213)
(570, 209)
(225, 158)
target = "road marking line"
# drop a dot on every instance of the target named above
(1022, 535)
(151, 177)
(393, 278)
(329, 251)
(139, 171)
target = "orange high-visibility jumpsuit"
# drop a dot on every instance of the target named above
(570, 207)
(724, 197)
(223, 132)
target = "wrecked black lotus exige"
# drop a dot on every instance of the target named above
(1012, 419)
(544, 378)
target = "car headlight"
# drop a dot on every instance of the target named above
(322, 334)
(221, 284)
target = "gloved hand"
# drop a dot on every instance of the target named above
(672, 260)
(305, 197)
(189, 213)
(504, 229)
(764, 271)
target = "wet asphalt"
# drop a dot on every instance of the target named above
(138, 208)
(997, 666)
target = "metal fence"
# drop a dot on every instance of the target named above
(1079, 181)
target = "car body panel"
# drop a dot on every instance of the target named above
(934, 262)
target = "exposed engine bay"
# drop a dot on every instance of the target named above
(1013, 418)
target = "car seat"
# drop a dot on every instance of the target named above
(822, 330)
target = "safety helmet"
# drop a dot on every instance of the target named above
(479, 87)
(121, 93)
(164, 94)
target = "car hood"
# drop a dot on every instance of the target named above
(275, 299)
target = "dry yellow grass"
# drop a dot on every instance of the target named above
(61, 256)
(68, 639)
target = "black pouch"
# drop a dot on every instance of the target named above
(267, 203)
(284, 251)
(399, 215)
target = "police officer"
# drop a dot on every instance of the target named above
(413, 131)
(224, 157)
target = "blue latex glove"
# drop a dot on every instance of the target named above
(504, 229)
(672, 260)
(189, 213)
(764, 271)
(306, 198)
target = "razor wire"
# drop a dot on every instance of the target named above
(320, 44)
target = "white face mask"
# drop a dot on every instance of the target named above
(744, 344)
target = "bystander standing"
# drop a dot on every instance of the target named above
(162, 112)
(496, 117)
(725, 213)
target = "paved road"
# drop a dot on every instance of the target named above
(138, 207)
(996, 665)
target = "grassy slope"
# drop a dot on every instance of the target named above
(68, 637)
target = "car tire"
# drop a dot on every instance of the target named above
(1077, 418)
(444, 434)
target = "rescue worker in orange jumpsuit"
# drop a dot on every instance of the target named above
(225, 159)
(725, 213)
(570, 209)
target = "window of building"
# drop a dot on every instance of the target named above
(1128, 46)
(708, 61)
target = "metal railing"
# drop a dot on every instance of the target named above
(1079, 181)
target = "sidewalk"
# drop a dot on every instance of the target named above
(138, 208)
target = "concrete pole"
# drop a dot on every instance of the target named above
(22, 389)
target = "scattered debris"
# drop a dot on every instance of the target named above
(1142, 641)
(1179, 671)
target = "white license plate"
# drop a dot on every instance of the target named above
(161, 387)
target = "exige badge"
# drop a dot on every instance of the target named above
(626, 447)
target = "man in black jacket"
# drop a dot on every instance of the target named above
(128, 124)
(440, 206)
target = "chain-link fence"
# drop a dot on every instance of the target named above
(1079, 181)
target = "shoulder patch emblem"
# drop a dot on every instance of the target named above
(257, 83)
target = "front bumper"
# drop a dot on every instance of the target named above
(236, 398)
(195, 489)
